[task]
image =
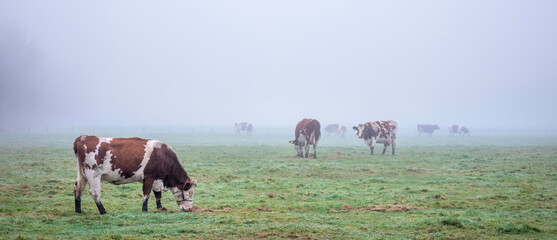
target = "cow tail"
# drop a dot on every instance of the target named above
(78, 163)
(317, 135)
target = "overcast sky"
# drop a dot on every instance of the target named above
(490, 64)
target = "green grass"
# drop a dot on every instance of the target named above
(462, 191)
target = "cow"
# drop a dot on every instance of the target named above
(332, 128)
(427, 128)
(458, 130)
(464, 130)
(378, 131)
(308, 131)
(342, 131)
(126, 160)
(244, 126)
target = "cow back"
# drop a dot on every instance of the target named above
(128, 154)
(380, 129)
(307, 126)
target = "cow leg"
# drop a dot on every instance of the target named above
(158, 196)
(95, 189)
(372, 145)
(80, 185)
(147, 186)
(393, 146)
(385, 148)
(157, 188)
(314, 151)
(306, 147)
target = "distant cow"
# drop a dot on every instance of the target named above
(427, 128)
(308, 131)
(127, 160)
(244, 126)
(378, 131)
(342, 131)
(332, 128)
(458, 130)
(464, 130)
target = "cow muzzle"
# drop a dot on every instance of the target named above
(186, 208)
(184, 199)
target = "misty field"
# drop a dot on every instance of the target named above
(481, 187)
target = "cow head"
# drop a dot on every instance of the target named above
(359, 129)
(297, 146)
(435, 127)
(184, 195)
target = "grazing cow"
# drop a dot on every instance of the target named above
(378, 131)
(458, 130)
(427, 128)
(342, 131)
(244, 126)
(127, 160)
(308, 131)
(464, 131)
(332, 128)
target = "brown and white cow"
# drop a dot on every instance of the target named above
(378, 132)
(458, 130)
(332, 129)
(427, 128)
(308, 131)
(243, 126)
(127, 160)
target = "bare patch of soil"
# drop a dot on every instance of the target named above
(199, 209)
(347, 207)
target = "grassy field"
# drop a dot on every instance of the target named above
(482, 187)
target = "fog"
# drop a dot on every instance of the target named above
(483, 64)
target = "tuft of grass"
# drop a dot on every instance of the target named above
(452, 222)
(513, 228)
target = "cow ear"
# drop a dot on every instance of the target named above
(291, 142)
(187, 184)
(355, 128)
